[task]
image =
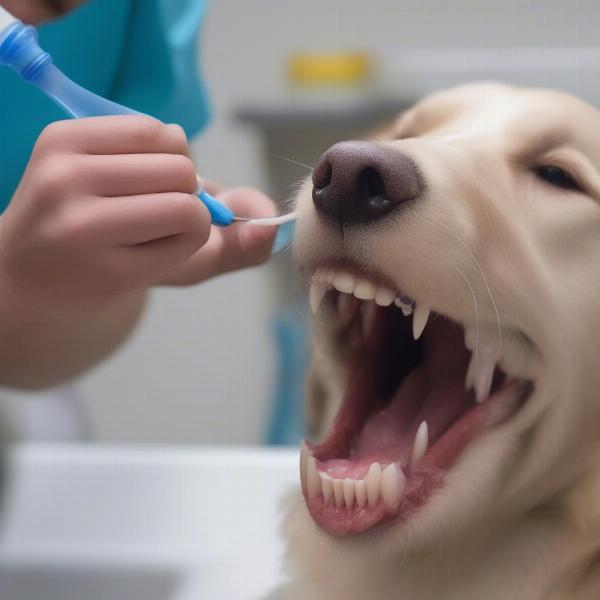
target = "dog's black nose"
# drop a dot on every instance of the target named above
(358, 182)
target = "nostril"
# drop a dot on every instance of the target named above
(372, 189)
(322, 174)
(371, 183)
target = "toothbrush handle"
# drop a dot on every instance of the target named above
(20, 50)
(221, 215)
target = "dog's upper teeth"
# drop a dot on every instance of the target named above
(420, 316)
(315, 296)
(514, 356)
(384, 296)
(365, 290)
(344, 282)
(420, 444)
(362, 289)
(482, 365)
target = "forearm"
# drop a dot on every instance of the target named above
(36, 353)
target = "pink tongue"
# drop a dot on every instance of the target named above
(433, 392)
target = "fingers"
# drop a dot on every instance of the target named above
(126, 134)
(134, 220)
(146, 263)
(245, 245)
(231, 248)
(212, 187)
(137, 174)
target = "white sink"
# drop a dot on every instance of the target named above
(99, 523)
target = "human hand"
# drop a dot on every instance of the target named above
(236, 247)
(106, 207)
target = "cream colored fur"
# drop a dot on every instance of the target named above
(519, 516)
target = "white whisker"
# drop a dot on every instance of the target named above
(475, 351)
(489, 291)
(291, 160)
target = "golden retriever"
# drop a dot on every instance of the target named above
(453, 263)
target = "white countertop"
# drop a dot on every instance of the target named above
(158, 523)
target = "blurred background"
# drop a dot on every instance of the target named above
(223, 363)
(215, 363)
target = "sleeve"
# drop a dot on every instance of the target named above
(159, 73)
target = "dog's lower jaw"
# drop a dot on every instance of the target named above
(545, 555)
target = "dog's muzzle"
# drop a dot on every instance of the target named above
(360, 182)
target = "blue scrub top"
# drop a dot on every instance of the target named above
(140, 53)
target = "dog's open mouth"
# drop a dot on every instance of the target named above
(420, 387)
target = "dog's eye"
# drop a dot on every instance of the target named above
(557, 177)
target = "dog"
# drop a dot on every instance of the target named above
(453, 263)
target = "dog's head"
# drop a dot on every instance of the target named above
(454, 272)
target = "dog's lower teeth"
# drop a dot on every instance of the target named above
(338, 492)
(373, 483)
(313, 481)
(360, 491)
(420, 444)
(381, 483)
(393, 483)
(348, 489)
(327, 484)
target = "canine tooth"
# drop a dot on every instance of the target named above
(303, 457)
(384, 296)
(373, 483)
(360, 491)
(348, 488)
(313, 481)
(480, 372)
(364, 290)
(420, 444)
(327, 484)
(470, 378)
(368, 310)
(344, 282)
(470, 337)
(484, 374)
(315, 296)
(338, 492)
(393, 483)
(420, 316)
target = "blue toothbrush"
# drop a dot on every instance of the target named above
(20, 50)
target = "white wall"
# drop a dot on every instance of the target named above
(200, 367)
